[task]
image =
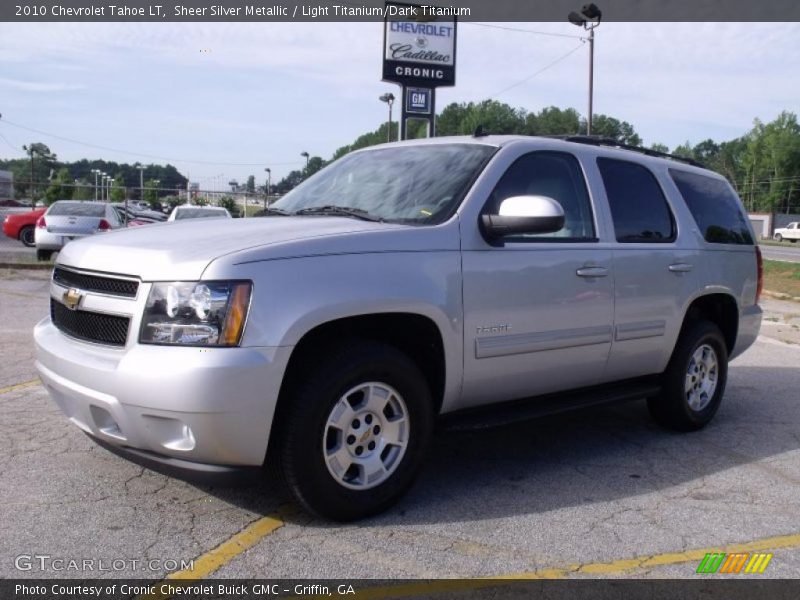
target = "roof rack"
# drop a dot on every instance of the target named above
(597, 140)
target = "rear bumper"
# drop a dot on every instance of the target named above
(46, 240)
(749, 326)
(200, 407)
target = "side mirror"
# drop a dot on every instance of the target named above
(524, 214)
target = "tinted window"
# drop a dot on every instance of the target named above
(77, 209)
(714, 207)
(558, 176)
(638, 206)
(199, 213)
(413, 184)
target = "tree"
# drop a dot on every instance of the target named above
(229, 203)
(118, 190)
(658, 147)
(60, 187)
(46, 158)
(151, 192)
(621, 131)
(553, 121)
(83, 190)
(250, 186)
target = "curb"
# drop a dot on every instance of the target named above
(780, 296)
(26, 266)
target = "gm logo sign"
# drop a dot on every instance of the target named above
(418, 100)
(737, 562)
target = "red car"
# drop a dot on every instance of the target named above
(21, 226)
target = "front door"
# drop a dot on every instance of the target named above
(538, 309)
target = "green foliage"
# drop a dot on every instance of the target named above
(659, 147)
(60, 188)
(229, 203)
(250, 186)
(118, 189)
(151, 192)
(172, 201)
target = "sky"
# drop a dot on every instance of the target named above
(222, 101)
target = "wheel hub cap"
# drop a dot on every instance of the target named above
(701, 377)
(366, 435)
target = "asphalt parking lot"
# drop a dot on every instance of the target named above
(600, 493)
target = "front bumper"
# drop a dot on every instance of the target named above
(201, 406)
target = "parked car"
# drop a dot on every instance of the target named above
(469, 280)
(791, 232)
(138, 214)
(21, 226)
(187, 211)
(69, 220)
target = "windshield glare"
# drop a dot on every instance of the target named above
(412, 184)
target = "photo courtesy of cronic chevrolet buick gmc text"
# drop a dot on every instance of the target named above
(461, 280)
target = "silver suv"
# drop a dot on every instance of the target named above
(459, 280)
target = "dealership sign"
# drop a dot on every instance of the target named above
(418, 50)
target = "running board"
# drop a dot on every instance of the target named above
(496, 415)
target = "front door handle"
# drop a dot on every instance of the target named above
(592, 272)
(680, 267)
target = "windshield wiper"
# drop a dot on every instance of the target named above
(338, 211)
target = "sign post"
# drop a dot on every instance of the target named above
(419, 53)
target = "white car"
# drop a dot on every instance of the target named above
(188, 211)
(791, 232)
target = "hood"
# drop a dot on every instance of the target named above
(181, 250)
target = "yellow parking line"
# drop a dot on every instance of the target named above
(615, 567)
(19, 386)
(206, 564)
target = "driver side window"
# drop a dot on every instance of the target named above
(556, 175)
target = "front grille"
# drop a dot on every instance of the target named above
(90, 326)
(94, 283)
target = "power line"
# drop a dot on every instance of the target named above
(153, 156)
(540, 71)
(520, 30)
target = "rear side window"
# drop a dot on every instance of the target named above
(76, 209)
(714, 207)
(638, 206)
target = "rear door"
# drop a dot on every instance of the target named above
(654, 272)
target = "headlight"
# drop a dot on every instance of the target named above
(196, 313)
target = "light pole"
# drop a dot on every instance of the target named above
(110, 185)
(589, 18)
(389, 99)
(306, 156)
(269, 181)
(96, 173)
(156, 183)
(141, 182)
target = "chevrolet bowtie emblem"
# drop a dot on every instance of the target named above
(72, 298)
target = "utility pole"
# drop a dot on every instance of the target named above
(389, 99)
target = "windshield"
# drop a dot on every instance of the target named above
(76, 209)
(411, 184)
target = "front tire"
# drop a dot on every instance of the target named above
(27, 236)
(778, 238)
(353, 432)
(694, 381)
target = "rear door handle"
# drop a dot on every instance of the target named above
(681, 267)
(592, 272)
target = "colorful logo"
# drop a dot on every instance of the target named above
(737, 562)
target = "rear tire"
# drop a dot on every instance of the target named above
(352, 433)
(27, 236)
(694, 381)
(44, 254)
